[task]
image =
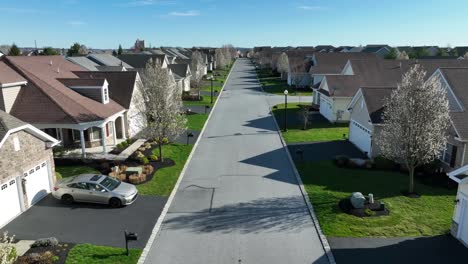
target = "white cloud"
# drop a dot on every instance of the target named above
(136, 3)
(304, 7)
(190, 13)
(76, 23)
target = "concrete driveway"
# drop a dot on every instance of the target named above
(88, 223)
(239, 201)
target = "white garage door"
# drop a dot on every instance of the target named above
(37, 183)
(360, 136)
(9, 201)
(464, 223)
(326, 110)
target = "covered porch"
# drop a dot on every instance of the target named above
(81, 140)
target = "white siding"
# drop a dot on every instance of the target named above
(9, 96)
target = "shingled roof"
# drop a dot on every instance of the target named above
(139, 61)
(8, 75)
(46, 100)
(375, 98)
(333, 63)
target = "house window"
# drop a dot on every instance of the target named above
(76, 135)
(95, 133)
(16, 143)
(450, 155)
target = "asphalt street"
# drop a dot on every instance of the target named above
(239, 201)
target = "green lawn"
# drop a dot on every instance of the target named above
(68, 171)
(206, 101)
(318, 130)
(164, 180)
(196, 121)
(275, 85)
(88, 254)
(326, 184)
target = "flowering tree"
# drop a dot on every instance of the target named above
(416, 121)
(402, 56)
(221, 61)
(7, 250)
(282, 64)
(161, 105)
(197, 69)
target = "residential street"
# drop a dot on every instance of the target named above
(239, 201)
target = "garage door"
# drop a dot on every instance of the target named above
(37, 183)
(9, 201)
(360, 136)
(464, 223)
(326, 110)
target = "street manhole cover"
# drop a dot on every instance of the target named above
(238, 134)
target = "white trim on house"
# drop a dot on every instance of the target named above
(34, 131)
(6, 85)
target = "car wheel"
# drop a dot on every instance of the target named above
(68, 199)
(115, 203)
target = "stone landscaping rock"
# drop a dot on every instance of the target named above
(358, 200)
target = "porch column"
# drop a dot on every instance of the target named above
(114, 133)
(83, 145)
(124, 135)
(103, 139)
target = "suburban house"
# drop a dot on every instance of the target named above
(108, 60)
(459, 228)
(48, 92)
(27, 165)
(379, 50)
(139, 61)
(331, 64)
(182, 75)
(91, 65)
(367, 105)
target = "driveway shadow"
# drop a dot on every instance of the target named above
(324, 150)
(262, 215)
(427, 250)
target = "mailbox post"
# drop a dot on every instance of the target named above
(129, 236)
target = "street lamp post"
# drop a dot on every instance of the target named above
(211, 89)
(285, 110)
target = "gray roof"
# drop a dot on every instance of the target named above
(84, 62)
(375, 98)
(110, 68)
(108, 60)
(139, 61)
(8, 122)
(180, 70)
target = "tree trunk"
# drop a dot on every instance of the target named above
(411, 179)
(160, 152)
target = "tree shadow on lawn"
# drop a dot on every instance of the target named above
(261, 215)
(383, 184)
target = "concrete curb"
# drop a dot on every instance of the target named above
(158, 225)
(323, 238)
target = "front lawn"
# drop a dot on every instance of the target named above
(68, 171)
(326, 184)
(206, 100)
(319, 129)
(87, 254)
(196, 121)
(164, 179)
(274, 84)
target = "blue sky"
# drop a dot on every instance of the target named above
(244, 23)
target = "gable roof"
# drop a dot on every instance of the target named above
(108, 60)
(84, 62)
(457, 78)
(375, 98)
(139, 60)
(10, 124)
(121, 84)
(333, 63)
(180, 70)
(46, 100)
(8, 75)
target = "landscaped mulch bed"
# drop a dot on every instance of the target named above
(61, 251)
(346, 206)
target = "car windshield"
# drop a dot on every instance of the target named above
(110, 183)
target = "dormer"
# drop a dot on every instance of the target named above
(348, 69)
(96, 89)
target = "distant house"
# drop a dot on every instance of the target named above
(84, 62)
(379, 50)
(324, 48)
(27, 165)
(80, 109)
(182, 76)
(108, 60)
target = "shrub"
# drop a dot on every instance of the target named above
(154, 158)
(45, 242)
(58, 150)
(144, 160)
(341, 160)
(8, 253)
(141, 149)
(382, 163)
(147, 145)
(138, 155)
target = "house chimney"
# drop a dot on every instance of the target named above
(50, 62)
(58, 70)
